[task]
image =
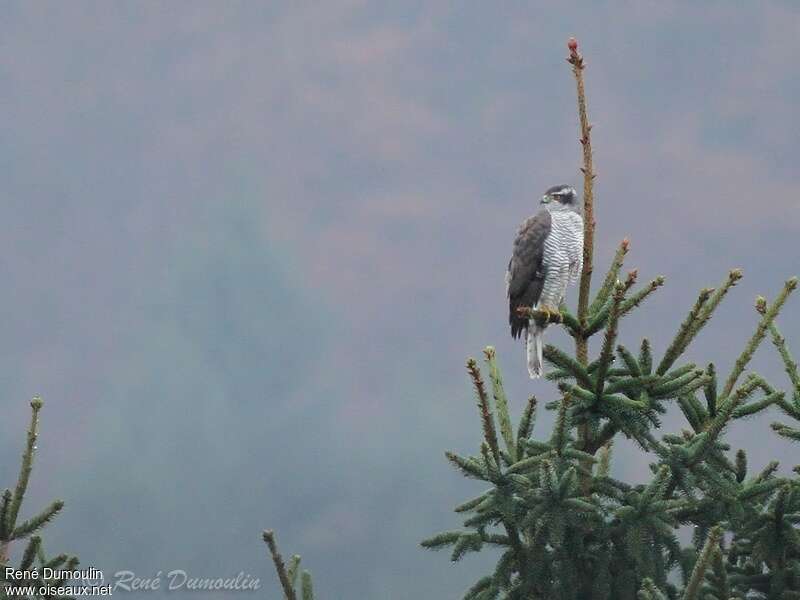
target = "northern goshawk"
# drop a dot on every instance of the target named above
(547, 256)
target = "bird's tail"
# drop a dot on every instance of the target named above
(535, 343)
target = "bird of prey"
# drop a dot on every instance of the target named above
(547, 256)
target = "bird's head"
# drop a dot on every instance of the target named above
(561, 197)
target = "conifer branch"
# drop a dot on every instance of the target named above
(610, 338)
(600, 318)
(482, 589)
(471, 504)
(790, 365)
(500, 402)
(306, 587)
(646, 357)
(710, 390)
(490, 463)
(293, 569)
(689, 406)
(561, 425)
(489, 448)
(441, 540)
(56, 561)
(703, 562)
(683, 337)
(768, 316)
(469, 466)
(569, 320)
(5, 528)
(786, 431)
(747, 410)
(702, 442)
(630, 361)
(682, 384)
(636, 299)
(31, 525)
(581, 340)
(723, 589)
(649, 591)
(30, 553)
(280, 567)
(741, 465)
(27, 462)
(604, 293)
(707, 302)
(734, 275)
(489, 432)
(568, 364)
(467, 542)
(10, 507)
(526, 425)
(578, 65)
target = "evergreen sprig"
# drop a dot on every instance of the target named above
(12, 530)
(288, 576)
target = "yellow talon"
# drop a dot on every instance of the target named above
(549, 315)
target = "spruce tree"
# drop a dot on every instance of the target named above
(566, 528)
(13, 529)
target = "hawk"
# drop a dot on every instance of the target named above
(547, 256)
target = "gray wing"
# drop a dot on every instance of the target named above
(525, 277)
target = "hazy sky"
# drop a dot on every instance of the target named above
(246, 248)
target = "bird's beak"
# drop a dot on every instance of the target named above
(545, 199)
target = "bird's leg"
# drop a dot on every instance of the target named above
(546, 312)
(553, 314)
(543, 315)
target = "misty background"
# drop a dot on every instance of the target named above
(246, 248)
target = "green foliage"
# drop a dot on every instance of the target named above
(289, 576)
(12, 530)
(569, 531)
(565, 528)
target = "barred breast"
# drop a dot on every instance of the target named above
(563, 256)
